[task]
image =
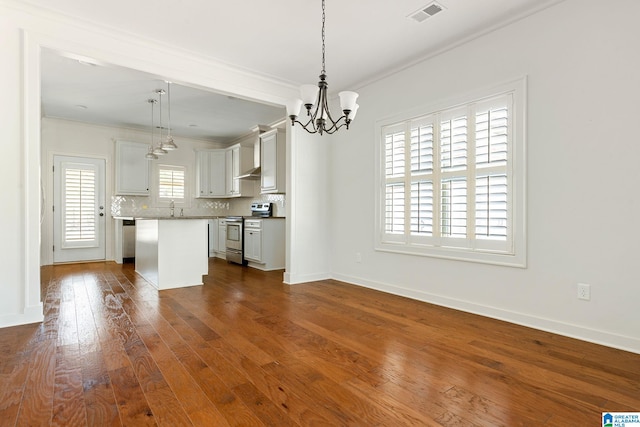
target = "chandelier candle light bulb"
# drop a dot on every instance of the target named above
(315, 100)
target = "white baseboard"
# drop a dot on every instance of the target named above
(573, 331)
(295, 279)
(32, 314)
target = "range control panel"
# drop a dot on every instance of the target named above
(262, 209)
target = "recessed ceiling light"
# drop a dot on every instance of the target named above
(193, 125)
(81, 107)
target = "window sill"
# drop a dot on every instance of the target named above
(478, 256)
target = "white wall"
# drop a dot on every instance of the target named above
(582, 64)
(20, 215)
(307, 228)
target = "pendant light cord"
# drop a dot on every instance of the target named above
(169, 115)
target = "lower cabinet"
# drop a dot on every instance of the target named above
(253, 245)
(264, 243)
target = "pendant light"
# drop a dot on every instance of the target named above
(150, 155)
(168, 144)
(314, 98)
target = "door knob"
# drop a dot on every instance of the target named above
(101, 214)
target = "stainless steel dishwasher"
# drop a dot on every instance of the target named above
(128, 240)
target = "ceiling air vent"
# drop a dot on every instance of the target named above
(426, 12)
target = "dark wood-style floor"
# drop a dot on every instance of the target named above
(245, 349)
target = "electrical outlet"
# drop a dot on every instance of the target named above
(584, 291)
(358, 257)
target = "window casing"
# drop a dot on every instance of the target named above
(451, 182)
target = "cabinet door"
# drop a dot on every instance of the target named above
(202, 165)
(232, 161)
(222, 237)
(132, 169)
(268, 163)
(253, 245)
(272, 161)
(211, 173)
(217, 175)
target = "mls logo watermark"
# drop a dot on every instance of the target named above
(621, 419)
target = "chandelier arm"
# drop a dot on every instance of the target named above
(305, 126)
(335, 128)
(335, 125)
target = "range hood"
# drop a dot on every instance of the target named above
(254, 173)
(251, 174)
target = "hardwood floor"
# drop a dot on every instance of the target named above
(245, 349)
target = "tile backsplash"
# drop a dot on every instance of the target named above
(132, 206)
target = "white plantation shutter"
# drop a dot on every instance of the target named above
(395, 156)
(447, 183)
(422, 148)
(453, 208)
(491, 137)
(80, 207)
(453, 144)
(491, 207)
(422, 208)
(171, 184)
(394, 214)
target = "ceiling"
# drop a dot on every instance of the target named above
(365, 40)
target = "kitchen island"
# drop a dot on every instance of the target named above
(172, 252)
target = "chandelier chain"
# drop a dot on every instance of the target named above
(323, 50)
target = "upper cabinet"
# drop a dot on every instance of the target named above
(217, 172)
(211, 173)
(239, 158)
(131, 169)
(272, 161)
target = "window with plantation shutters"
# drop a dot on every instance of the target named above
(452, 181)
(171, 182)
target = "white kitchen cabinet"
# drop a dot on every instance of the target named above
(272, 161)
(252, 244)
(264, 243)
(221, 251)
(239, 159)
(211, 173)
(132, 169)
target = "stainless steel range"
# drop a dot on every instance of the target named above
(234, 241)
(235, 231)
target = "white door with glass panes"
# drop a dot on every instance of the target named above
(79, 211)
